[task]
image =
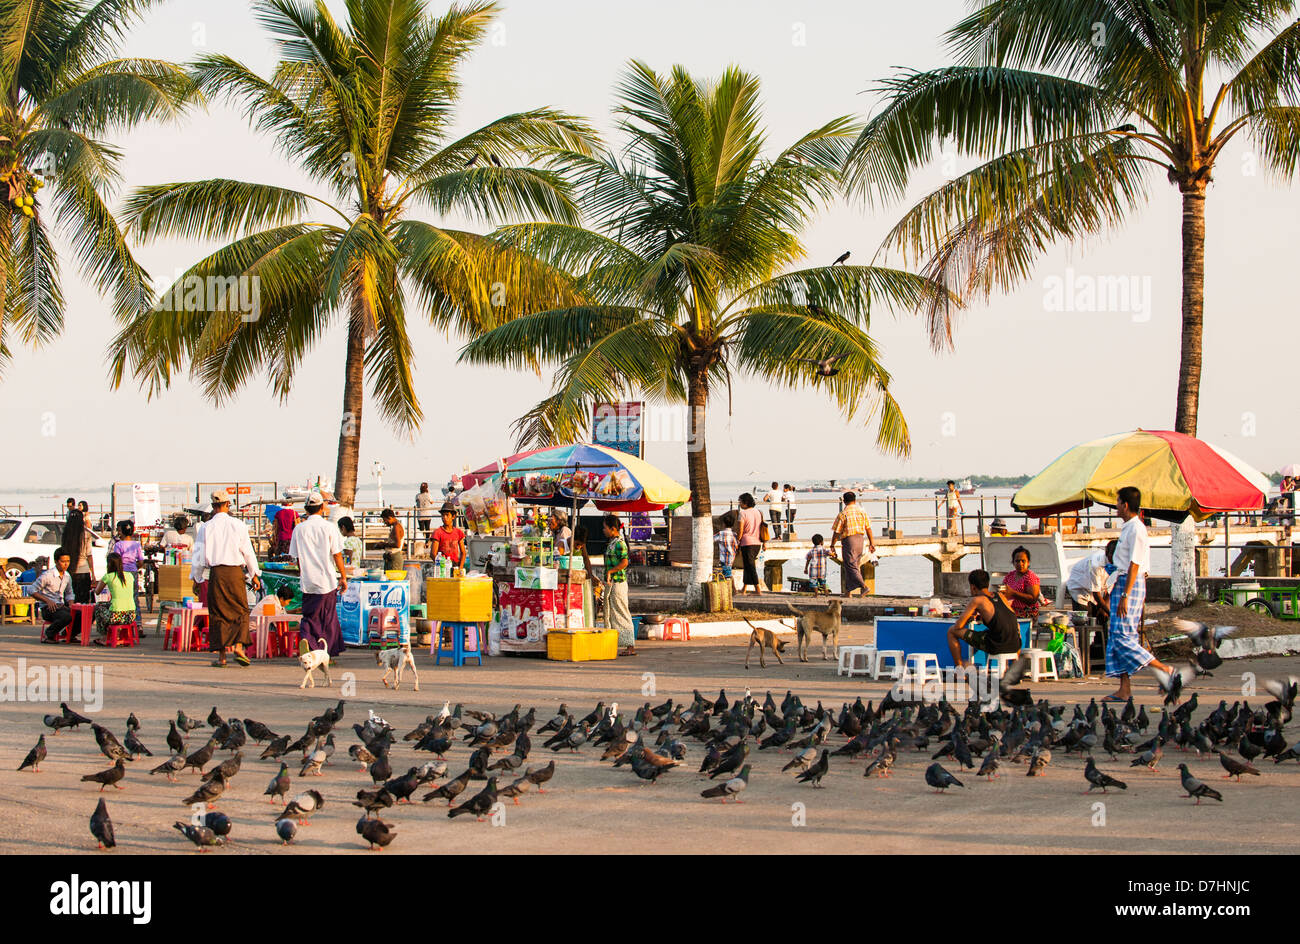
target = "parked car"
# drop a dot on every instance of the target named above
(22, 540)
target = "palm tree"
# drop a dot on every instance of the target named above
(684, 275)
(65, 91)
(1076, 107)
(365, 109)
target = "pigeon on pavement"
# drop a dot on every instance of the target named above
(733, 787)
(101, 827)
(1197, 789)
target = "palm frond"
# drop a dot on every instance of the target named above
(782, 345)
(213, 209)
(980, 111)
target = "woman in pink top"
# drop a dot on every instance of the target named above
(286, 519)
(749, 521)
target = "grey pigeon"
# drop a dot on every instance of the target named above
(34, 756)
(101, 827)
(1097, 778)
(733, 787)
(286, 829)
(937, 777)
(1197, 789)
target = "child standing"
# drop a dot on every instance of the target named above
(815, 563)
(726, 543)
(128, 548)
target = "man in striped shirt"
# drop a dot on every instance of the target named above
(851, 528)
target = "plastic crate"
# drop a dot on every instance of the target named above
(458, 599)
(581, 645)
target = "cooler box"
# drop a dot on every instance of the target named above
(458, 599)
(174, 582)
(926, 634)
(362, 596)
(581, 645)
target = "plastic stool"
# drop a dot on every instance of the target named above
(83, 615)
(389, 623)
(457, 648)
(848, 659)
(1037, 658)
(922, 667)
(676, 628)
(1000, 662)
(123, 634)
(895, 657)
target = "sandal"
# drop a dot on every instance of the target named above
(1115, 700)
(218, 664)
(242, 659)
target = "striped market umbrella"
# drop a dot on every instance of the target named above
(1178, 475)
(559, 475)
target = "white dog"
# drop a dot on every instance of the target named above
(312, 659)
(395, 659)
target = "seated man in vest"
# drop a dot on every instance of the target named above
(1001, 635)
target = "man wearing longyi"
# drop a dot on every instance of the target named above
(1125, 653)
(227, 552)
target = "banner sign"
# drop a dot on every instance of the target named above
(146, 504)
(618, 426)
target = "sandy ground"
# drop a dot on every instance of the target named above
(590, 807)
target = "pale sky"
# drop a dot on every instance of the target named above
(1026, 382)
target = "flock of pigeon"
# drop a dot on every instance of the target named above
(653, 741)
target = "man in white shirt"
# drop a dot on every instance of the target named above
(54, 590)
(791, 509)
(1089, 581)
(317, 545)
(775, 499)
(227, 552)
(1125, 654)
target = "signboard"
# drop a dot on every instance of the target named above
(618, 426)
(146, 504)
(241, 493)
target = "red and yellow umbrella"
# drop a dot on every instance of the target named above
(1178, 475)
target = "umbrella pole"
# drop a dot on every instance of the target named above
(568, 571)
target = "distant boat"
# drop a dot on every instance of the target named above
(831, 487)
(300, 492)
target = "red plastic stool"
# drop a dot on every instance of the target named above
(388, 622)
(83, 614)
(676, 628)
(123, 634)
(284, 639)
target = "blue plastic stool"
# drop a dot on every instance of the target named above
(459, 652)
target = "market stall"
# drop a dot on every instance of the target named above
(538, 590)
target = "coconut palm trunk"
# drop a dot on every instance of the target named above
(1189, 373)
(697, 469)
(354, 395)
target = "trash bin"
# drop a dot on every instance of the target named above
(772, 574)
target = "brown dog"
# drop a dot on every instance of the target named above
(826, 622)
(765, 639)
